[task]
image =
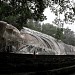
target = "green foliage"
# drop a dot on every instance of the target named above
(66, 6)
(35, 25)
(17, 12)
(52, 31)
(59, 33)
(69, 37)
(49, 29)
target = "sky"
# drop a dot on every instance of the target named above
(51, 16)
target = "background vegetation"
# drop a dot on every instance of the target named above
(18, 12)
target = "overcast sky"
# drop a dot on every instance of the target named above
(51, 16)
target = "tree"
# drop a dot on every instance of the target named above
(62, 6)
(68, 37)
(59, 34)
(49, 29)
(35, 25)
(17, 12)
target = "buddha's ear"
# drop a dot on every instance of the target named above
(2, 27)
